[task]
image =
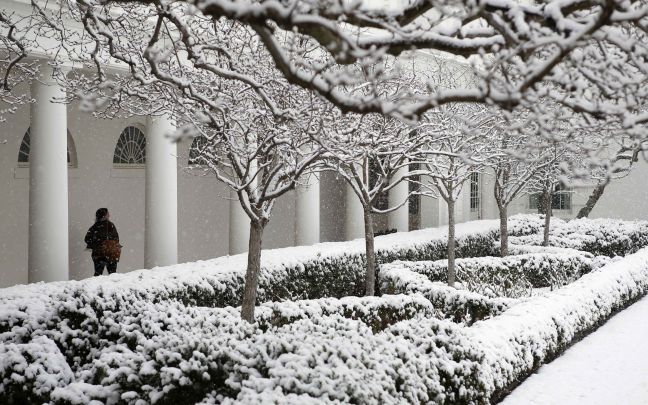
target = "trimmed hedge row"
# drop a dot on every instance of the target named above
(75, 342)
(601, 237)
(530, 224)
(332, 269)
(537, 330)
(170, 353)
(376, 312)
(511, 276)
(323, 270)
(460, 306)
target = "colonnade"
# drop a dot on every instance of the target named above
(48, 258)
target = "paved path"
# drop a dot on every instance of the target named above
(608, 367)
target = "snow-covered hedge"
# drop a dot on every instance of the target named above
(511, 276)
(171, 353)
(601, 237)
(81, 317)
(376, 312)
(529, 224)
(457, 305)
(533, 332)
(120, 340)
(323, 270)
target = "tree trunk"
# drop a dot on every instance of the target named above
(452, 275)
(592, 200)
(370, 276)
(252, 273)
(542, 203)
(503, 230)
(548, 213)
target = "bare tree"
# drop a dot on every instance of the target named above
(619, 166)
(260, 160)
(255, 130)
(548, 179)
(455, 137)
(558, 50)
(513, 165)
(371, 154)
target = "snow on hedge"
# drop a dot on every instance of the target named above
(168, 352)
(458, 305)
(607, 237)
(536, 330)
(322, 270)
(530, 224)
(130, 342)
(511, 276)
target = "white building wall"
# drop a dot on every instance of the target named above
(14, 199)
(625, 198)
(203, 205)
(203, 211)
(203, 202)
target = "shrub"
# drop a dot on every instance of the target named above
(601, 237)
(511, 276)
(376, 312)
(536, 330)
(171, 353)
(457, 305)
(140, 338)
(529, 224)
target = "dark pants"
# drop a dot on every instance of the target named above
(101, 263)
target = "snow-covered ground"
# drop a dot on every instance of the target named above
(608, 367)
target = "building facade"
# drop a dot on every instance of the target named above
(58, 165)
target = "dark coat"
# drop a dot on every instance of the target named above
(98, 233)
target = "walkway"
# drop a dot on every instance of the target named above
(608, 367)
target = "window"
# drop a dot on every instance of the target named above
(475, 197)
(414, 186)
(199, 152)
(131, 148)
(534, 201)
(25, 148)
(560, 199)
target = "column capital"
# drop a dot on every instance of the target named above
(51, 74)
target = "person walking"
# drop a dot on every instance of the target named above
(103, 239)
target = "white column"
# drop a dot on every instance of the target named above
(239, 227)
(161, 242)
(429, 208)
(48, 183)
(354, 226)
(399, 219)
(307, 213)
(462, 206)
(443, 212)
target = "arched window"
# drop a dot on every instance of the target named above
(202, 152)
(197, 152)
(131, 148)
(25, 148)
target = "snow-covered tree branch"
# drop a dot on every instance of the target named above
(522, 53)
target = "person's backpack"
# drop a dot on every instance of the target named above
(111, 249)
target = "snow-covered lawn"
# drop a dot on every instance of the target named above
(610, 366)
